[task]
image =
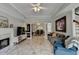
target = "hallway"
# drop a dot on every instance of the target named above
(37, 46)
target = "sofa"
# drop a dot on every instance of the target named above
(52, 37)
(59, 49)
(58, 42)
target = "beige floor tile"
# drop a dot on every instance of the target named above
(36, 46)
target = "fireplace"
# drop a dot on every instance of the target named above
(4, 43)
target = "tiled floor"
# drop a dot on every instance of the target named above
(36, 46)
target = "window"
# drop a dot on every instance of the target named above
(49, 27)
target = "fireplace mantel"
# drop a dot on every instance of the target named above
(5, 30)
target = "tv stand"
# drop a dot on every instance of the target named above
(20, 38)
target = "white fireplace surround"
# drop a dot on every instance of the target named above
(6, 33)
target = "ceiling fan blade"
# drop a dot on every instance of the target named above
(38, 4)
(42, 8)
(35, 4)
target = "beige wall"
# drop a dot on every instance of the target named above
(69, 27)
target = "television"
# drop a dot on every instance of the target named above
(23, 30)
(20, 31)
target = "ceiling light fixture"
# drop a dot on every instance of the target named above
(37, 7)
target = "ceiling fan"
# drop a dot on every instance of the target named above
(37, 7)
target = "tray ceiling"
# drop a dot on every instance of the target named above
(24, 10)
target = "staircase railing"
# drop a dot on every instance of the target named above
(76, 21)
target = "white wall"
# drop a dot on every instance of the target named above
(69, 28)
(12, 20)
(15, 22)
(76, 17)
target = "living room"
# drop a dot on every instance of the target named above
(27, 27)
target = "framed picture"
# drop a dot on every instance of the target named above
(61, 24)
(3, 22)
(11, 25)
